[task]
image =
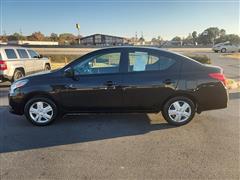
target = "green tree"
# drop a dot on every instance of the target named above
(67, 38)
(233, 38)
(188, 40)
(157, 41)
(209, 35)
(177, 38)
(54, 37)
(222, 32)
(194, 34)
(37, 36)
(195, 37)
(16, 36)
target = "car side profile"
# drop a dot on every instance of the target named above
(122, 79)
(17, 61)
(226, 47)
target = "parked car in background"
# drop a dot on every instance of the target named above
(16, 62)
(122, 79)
(226, 47)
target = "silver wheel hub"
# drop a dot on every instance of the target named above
(41, 112)
(179, 111)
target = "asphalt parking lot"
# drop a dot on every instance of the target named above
(124, 146)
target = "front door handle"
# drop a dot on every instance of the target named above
(110, 83)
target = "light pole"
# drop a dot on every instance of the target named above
(78, 28)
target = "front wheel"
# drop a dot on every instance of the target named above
(223, 50)
(40, 111)
(178, 111)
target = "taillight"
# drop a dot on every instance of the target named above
(3, 65)
(218, 76)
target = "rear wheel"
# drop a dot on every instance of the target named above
(47, 67)
(17, 74)
(178, 111)
(41, 111)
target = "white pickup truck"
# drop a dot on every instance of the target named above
(16, 62)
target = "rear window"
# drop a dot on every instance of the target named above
(10, 54)
(143, 61)
(22, 53)
(0, 56)
(33, 54)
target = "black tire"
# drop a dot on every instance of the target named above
(47, 67)
(18, 73)
(166, 108)
(46, 101)
(223, 50)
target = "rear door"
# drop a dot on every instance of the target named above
(150, 78)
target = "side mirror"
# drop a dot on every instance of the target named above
(69, 72)
(39, 56)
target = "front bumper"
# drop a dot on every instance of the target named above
(216, 49)
(14, 111)
(16, 104)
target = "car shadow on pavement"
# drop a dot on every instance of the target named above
(18, 134)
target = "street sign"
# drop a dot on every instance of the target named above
(78, 26)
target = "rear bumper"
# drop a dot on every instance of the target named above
(212, 97)
(4, 78)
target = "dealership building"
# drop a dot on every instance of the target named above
(102, 39)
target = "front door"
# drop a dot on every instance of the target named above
(36, 61)
(28, 62)
(96, 85)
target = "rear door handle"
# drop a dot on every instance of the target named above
(167, 81)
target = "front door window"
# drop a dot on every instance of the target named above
(100, 64)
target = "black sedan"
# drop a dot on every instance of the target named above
(122, 79)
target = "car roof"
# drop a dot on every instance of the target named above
(12, 47)
(134, 47)
(138, 48)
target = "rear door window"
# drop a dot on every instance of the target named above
(22, 53)
(144, 61)
(10, 54)
(32, 53)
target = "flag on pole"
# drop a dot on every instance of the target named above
(77, 26)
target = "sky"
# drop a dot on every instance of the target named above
(152, 18)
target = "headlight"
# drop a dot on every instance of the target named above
(18, 84)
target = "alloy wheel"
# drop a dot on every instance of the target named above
(179, 111)
(41, 112)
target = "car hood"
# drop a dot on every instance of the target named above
(40, 74)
